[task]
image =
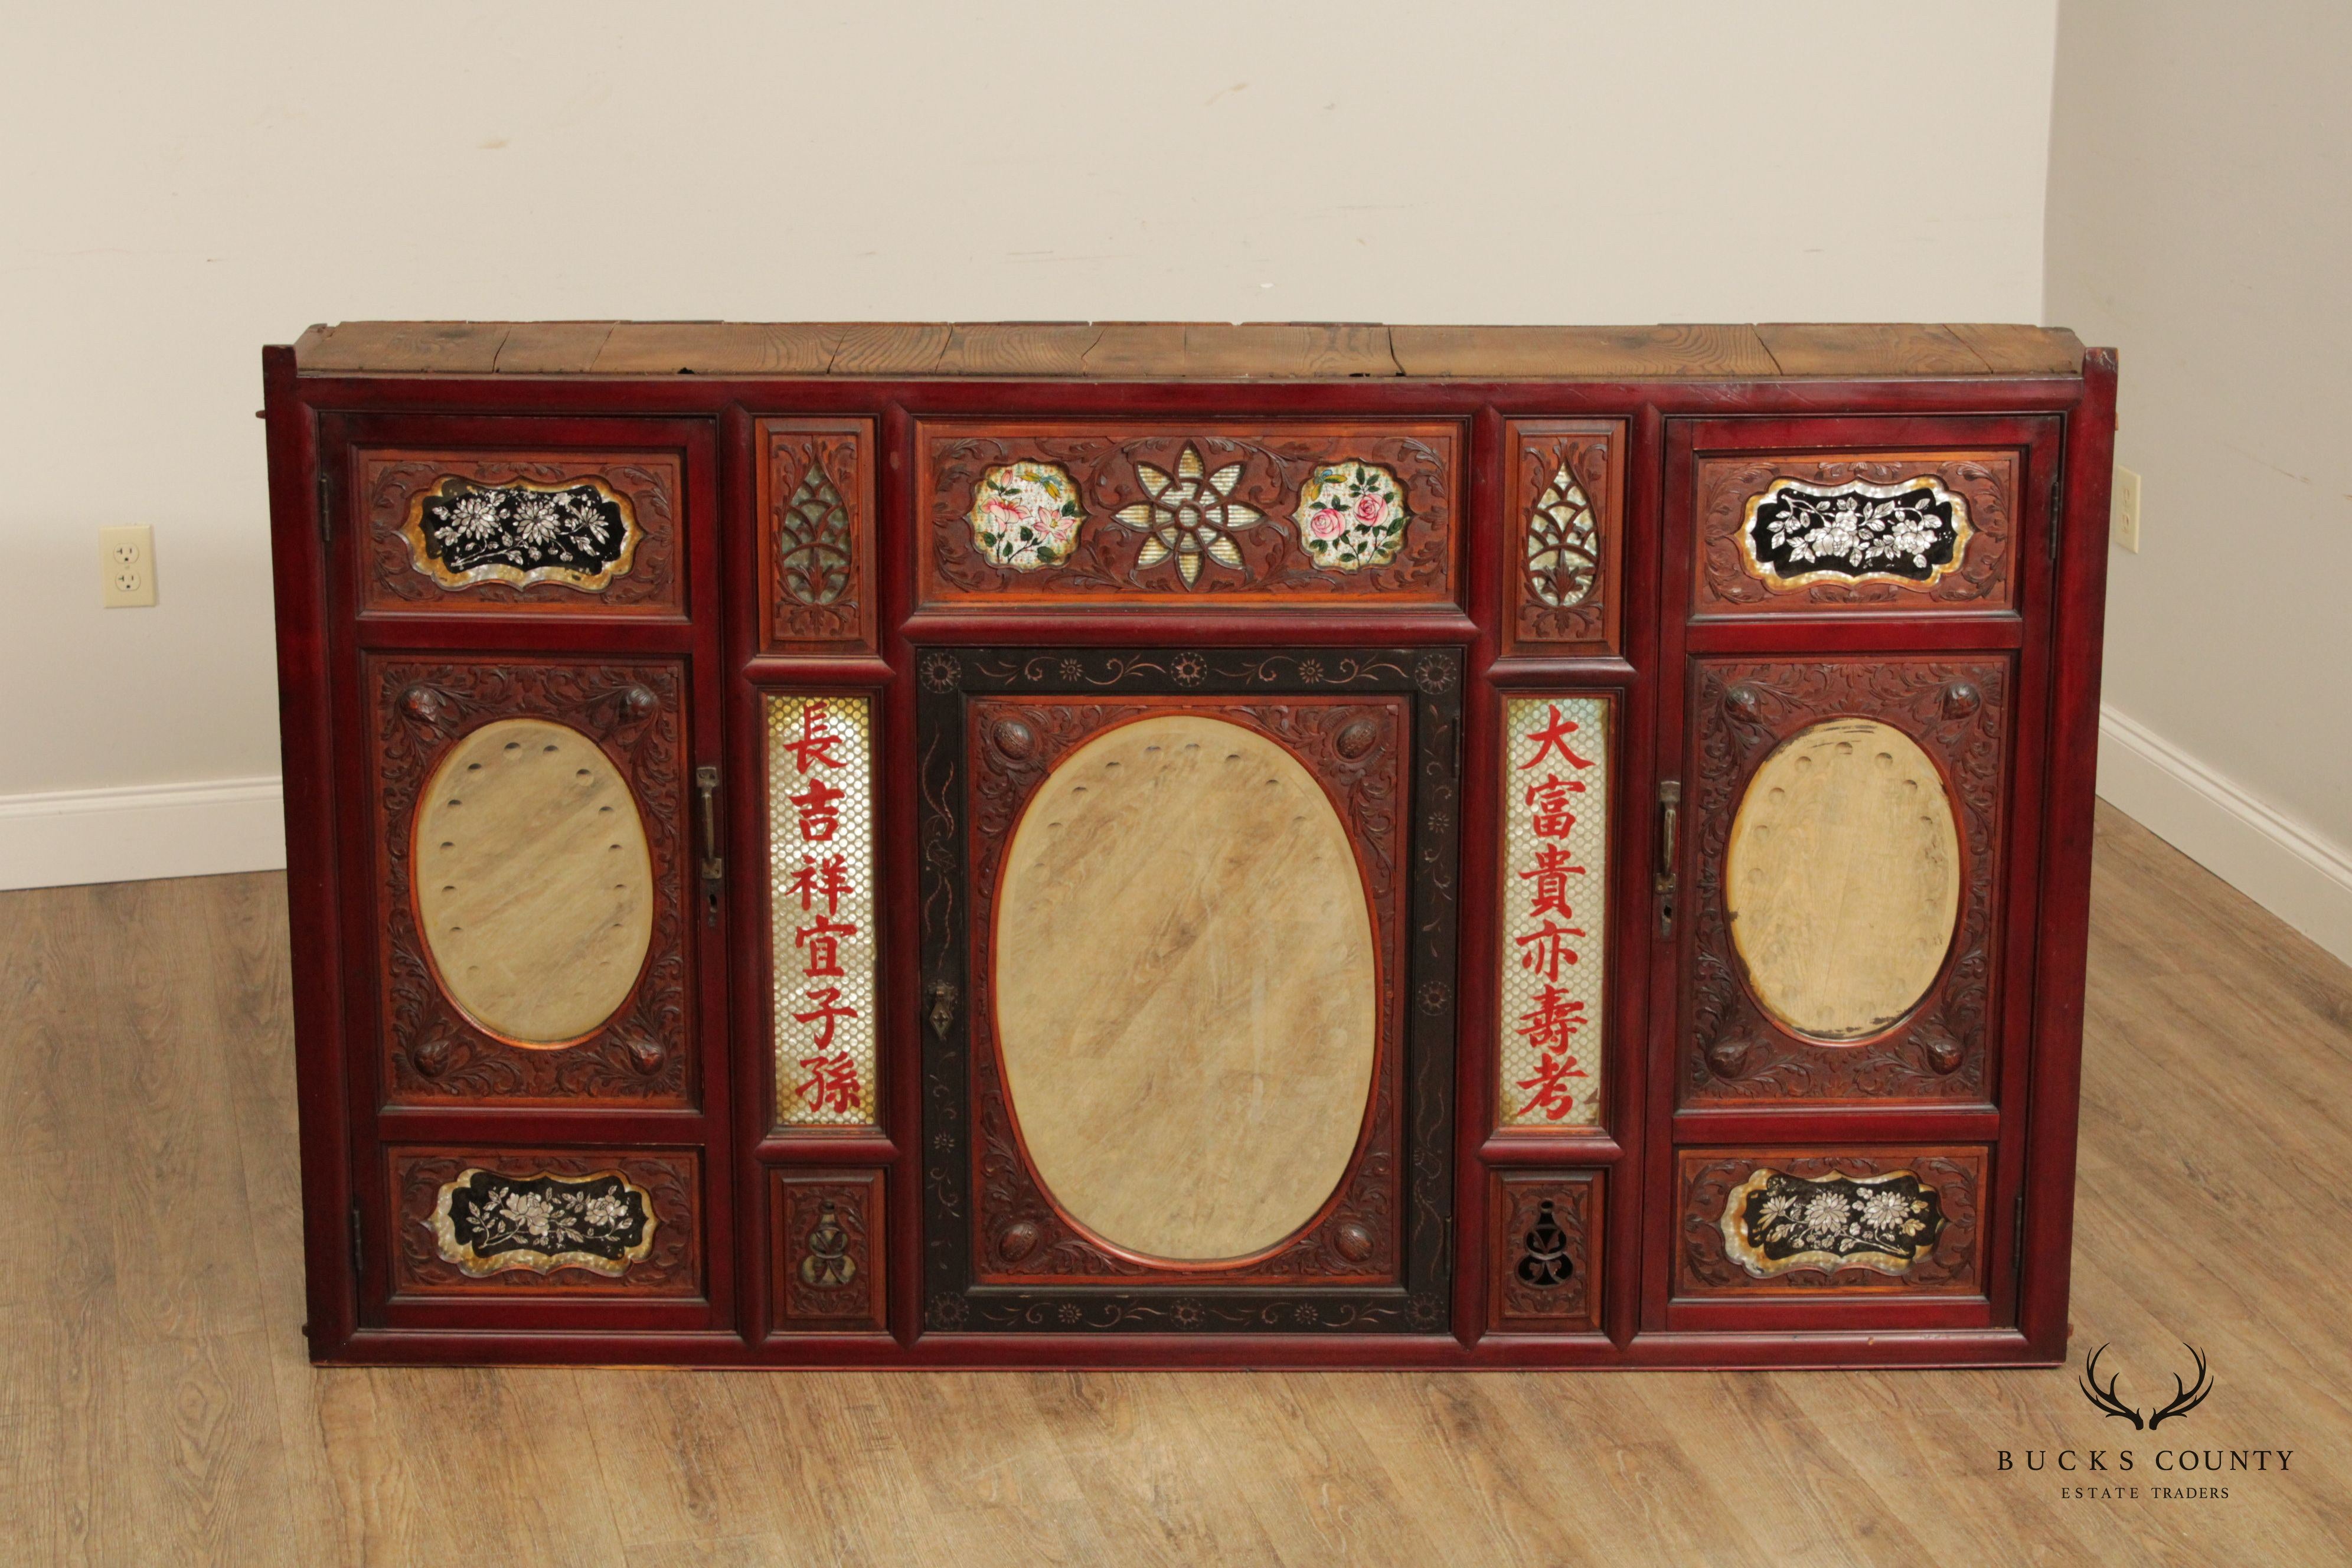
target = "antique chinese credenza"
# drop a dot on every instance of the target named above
(1176, 845)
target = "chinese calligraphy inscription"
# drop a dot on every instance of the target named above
(821, 909)
(1555, 874)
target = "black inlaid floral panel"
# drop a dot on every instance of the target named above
(524, 533)
(1797, 532)
(487, 1223)
(1775, 1222)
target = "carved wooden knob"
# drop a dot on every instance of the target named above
(1356, 740)
(1016, 1241)
(1352, 1242)
(421, 703)
(641, 700)
(1728, 1055)
(1743, 701)
(1015, 739)
(645, 1052)
(1944, 1053)
(1961, 699)
(432, 1057)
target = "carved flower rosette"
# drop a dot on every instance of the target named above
(1351, 516)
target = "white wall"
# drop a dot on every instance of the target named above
(186, 182)
(2200, 220)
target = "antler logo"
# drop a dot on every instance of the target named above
(2110, 1399)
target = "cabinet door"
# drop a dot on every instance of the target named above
(1850, 738)
(1187, 952)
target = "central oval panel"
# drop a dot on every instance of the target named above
(534, 884)
(1843, 879)
(1186, 993)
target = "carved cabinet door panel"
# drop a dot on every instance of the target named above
(533, 981)
(1187, 947)
(1850, 745)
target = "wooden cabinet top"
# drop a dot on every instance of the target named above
(1149, 350)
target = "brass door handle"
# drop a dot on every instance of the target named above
(714, 865)
(1670, 812)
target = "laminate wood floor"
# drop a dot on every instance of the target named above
(156, 1407)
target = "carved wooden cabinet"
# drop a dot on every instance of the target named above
(1165, 845)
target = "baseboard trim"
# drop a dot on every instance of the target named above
(131, 834)
(2296, 874)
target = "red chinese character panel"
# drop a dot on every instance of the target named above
(1555, 882)
(821, 909)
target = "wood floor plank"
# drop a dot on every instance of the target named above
(155, 1405)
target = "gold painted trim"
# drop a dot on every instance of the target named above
(1764, 571)
(499, 571)
(474, 1266)
(1737, 1246)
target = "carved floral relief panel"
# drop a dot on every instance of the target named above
(1871, 531)
(1546, 1251)
(1553, 949)
(1801, 1222)
(1270, 513)
(1564, 534)
(830, 1257)
(1012, 745)
(533, 1222)
(816, 536)
(822, 938)
(538, 1023)
(1890, 773)
(521, 532)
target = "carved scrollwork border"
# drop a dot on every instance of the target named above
(393, 580)
(1957, 711)
(1954, 1265)
(965, 1147)
(1980, 579)
(434, 1053)
(672, 1266)
(1590, 452)
(1106, 560)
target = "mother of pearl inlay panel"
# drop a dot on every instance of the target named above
(1187, 997)
(534, 885)
(1842, 880)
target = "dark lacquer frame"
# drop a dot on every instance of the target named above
(310, 422)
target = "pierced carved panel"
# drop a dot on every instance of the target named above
(1956, 712)
(830, 1254)
(1798, 1222)
(523, 531)
(544, 1222)
(1231, 514)
(816, 535)
(1565, 537)
(1546, 1252)
(1867, 531)
(434, 1051)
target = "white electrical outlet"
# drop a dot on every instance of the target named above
(2123, 522)
(126, 558)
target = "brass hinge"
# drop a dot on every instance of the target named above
(714, 865)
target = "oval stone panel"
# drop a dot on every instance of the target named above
(1186, 991)
(534, 887)
(1843, 879)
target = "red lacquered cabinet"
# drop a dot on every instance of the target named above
(1159, 845)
